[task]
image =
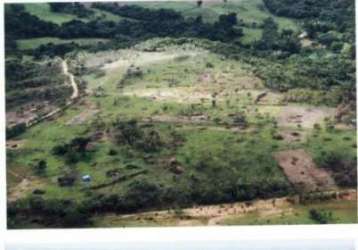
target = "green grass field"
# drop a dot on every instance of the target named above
(42, 11)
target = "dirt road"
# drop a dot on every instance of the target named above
(72, 79)
(212, 215)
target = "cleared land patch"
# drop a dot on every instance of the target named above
(304, 116)
(302, 172)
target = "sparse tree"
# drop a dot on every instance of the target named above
(40, 167)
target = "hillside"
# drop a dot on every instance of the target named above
(180, 113)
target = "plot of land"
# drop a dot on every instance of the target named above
(302, 172)
(291, 116)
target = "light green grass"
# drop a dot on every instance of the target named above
(42, 11)
(251, 35)
(33, 43)
(105, 15)
(341, 142)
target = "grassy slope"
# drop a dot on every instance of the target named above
(198, 142)
(42, 138)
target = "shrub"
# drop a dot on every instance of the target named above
(322, 217)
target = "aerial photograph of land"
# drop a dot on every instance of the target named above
(180, 113)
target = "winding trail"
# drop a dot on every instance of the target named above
(72, 79)
(74, 96)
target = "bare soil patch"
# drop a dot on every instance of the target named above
(82, 117)
(304, 116)
(23, 188)
(181, 95)
(15, 144)
(302, 172)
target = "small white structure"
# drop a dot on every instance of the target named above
(86, 178)
(303, 35)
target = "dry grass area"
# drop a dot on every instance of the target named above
(291, 116)
(179, 94)
(15, 144)
(302, 171)
(212, 215)
(22, 189)
(202, 215)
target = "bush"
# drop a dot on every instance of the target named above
(322, 217)
(40, 167)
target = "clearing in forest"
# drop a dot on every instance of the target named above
(305, 116)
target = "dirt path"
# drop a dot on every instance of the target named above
(215, 214)
(74, 96)
(72, 79)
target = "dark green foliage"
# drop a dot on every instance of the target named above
(272, 39)
(40, 167)
(128, 132)
(56, 213)
(343, 171)
(20, 24)
(319, 16)
(52, 50)
(139, 13)
(142, 194)
(332, 77)
(149, 23)
(164, 22)
(240, 120)
(322, 217)
(15, 130)
(73, 151)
